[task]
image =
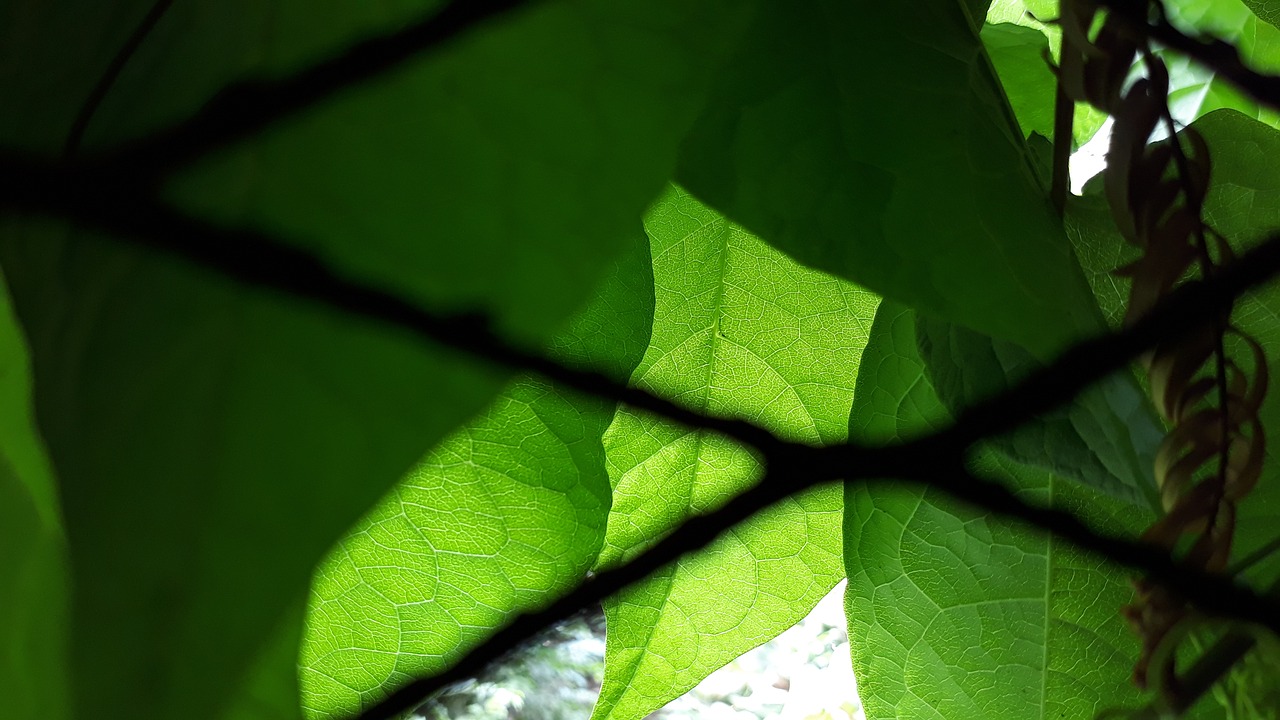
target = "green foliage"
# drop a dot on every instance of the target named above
(1106, 438)
(1243, 204)
(872, 141)
(740, 330)
(507, 510)
(1043, 633)
(33, 580)
(222, 503)
(213, 442)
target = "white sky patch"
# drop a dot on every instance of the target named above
(1090, 159)
(803, 674)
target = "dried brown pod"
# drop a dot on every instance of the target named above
(1212, 456)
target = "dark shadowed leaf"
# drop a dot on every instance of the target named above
(214, 442)
(1106, 438)
(954, 613)
(872, 140)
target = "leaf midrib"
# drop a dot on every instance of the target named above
(1048, 608)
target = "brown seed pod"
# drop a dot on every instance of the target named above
(1212, 456)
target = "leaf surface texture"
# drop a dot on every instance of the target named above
(872, 141)
(739, 330)
(212, 441)
(957, 614)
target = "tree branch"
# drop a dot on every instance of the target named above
(262, 261)
(258, 260)
(247, 108)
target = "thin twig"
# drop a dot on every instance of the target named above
(108, 79)
(247, 108)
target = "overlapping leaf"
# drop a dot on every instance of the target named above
(1244, 204)
(1105, 438)
(213, 442)
(1196, 90)
(33, 572)
(1019, 53)
(1267, 11)
(739, 330)
(872, 140)
(954, 613)
(505, 514)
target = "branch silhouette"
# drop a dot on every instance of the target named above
(245, 109)
(109, 193)
(936, 460)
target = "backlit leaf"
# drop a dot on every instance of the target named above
(954, 613)
(739, 330)
(505, 514)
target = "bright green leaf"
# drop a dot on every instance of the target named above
(955, 614)
(1106, 438)
(739, 330)
(507, 512)
(1195, 90)
(33, 573)
(214, 442)
(872, 140)
(1234, 21)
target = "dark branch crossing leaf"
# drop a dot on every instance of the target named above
(1041, 620)
(212, 442)
(740, 330)
(1106, 438)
